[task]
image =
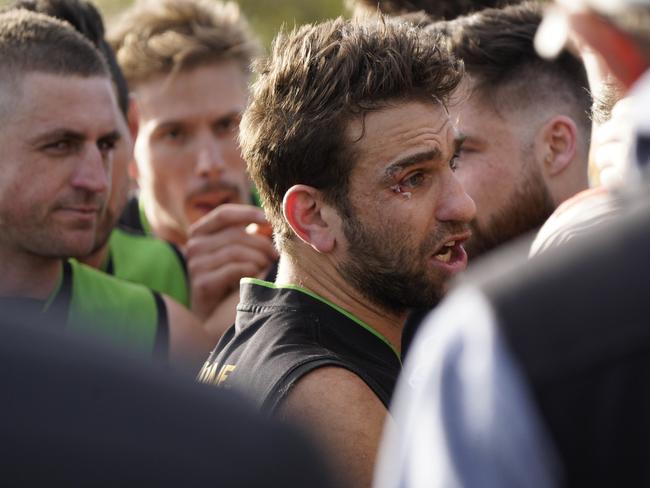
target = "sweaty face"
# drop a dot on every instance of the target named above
(57, 146)
(498, 168)
(408, 213)
(186, 150)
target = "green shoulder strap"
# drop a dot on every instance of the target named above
(114, 309)
(150, 262)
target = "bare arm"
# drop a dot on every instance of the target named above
(189, 344)
(345, 417)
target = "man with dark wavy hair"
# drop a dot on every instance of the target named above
(348, 140)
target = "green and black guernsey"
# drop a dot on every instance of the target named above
(93, 303)
(283, 332)
(137, 256)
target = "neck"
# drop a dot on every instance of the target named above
(97, 258)
(27, 275)
(319, 275)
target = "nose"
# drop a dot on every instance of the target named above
(455, 205)
(92, 171)
(209, 158)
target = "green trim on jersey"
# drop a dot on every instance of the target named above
(108, 307)
(255, 281)
(146, 226)
(149, 261)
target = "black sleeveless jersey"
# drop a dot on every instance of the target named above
(283, 332)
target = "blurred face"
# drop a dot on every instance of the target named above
(498, 168)
(409, 213)
(57, 145)
(186, 150)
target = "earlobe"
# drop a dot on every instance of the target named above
(307, 215)
(560, 144)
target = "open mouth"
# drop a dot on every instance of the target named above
(444, 256)
(207, 203)
(452, 253)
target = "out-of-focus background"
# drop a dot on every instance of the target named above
(266, 16)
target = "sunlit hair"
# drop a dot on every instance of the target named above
(317, 80)
(37, 43)
(86, 19)
(159, 37)
(32, 42)
(437, 9)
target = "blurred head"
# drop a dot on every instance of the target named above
(187, 64)
(58, 131)
(525, 122)
(618, 30)
(349, 143)
(437, 9)
(85, 18)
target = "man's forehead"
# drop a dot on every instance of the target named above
(78, 103)
(383, 137)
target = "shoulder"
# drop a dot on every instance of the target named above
(322, 394)
(91, 281)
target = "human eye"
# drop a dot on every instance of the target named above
(174, 134)
(107, 144)
(453, 162)
(61, 147)
(227, 125)
(413, 180)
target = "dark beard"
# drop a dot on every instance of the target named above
(525, 211)
(388, 272)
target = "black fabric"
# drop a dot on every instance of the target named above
(130, 219)
(77, 414)
(280, 335)
(59, 309)
(411, 327)
(578, 321)
(161, 344)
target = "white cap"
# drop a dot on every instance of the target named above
(553, 32)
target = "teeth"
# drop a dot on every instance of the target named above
(450, 244)
(444, 257)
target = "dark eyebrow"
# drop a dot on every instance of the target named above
(112, 136)
(57, 134)
(412, 160)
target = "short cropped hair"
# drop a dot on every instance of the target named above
(317, 80)
(437, 9)
(159, 37)
(33, 42)
(497, 47)
(86, 19)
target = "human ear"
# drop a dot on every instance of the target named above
(310, 217)
(559, 144)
